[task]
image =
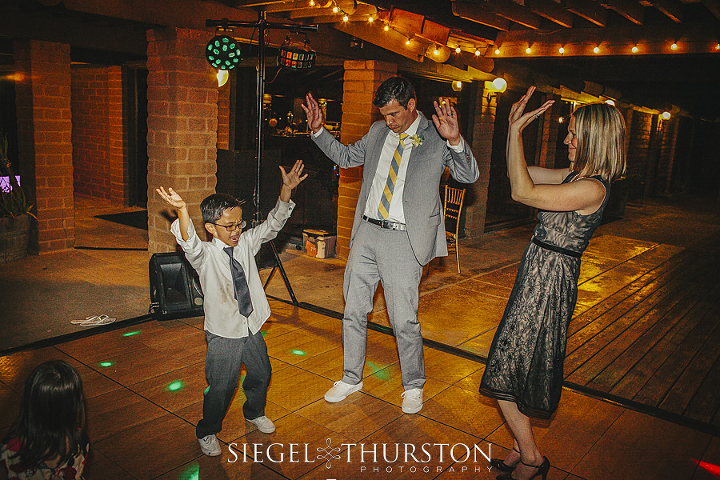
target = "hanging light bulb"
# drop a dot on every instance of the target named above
(596, 49)
(371, 19)
(222, 77)
(477, 52)
(497, 51)
(457, 49)
(386, 27)
(561, 50)
(335, 9)
(673, 46)
(528, 50)
(345, 18)
(634, 49)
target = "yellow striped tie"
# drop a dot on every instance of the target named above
(384, 207)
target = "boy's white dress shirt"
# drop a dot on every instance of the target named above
(213, 266)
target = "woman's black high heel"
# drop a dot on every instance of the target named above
(542, 470)
(500, 464)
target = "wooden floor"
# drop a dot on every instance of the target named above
(144, 388)
(657, 339)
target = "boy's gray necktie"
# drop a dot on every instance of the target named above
(242, 292)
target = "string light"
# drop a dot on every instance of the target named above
(717, 47)
(371, 19)
(477, 52)
(497, 51)
(312, 3)
(634, 49)
(596, 50)
(345, 18)
(386, 27)
(457, 50)
(436, 51)
(527, 50)
(561, 50)
(407, 42)
(665, 115)
(561, 119)
(335, 9)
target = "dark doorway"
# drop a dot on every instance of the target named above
(135, 81)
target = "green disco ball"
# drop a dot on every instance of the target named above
(223, 52)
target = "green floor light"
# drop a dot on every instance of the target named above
(106, 364)
(175, 386)
(130, 334)
(297, 352)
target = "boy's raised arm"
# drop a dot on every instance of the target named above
(175, 200)
(291, 180)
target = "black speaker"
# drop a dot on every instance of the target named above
(174, 287)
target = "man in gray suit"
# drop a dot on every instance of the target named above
(398, 225)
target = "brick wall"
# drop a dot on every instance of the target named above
(223, 133)
(44, 140)
(98, 138)
(182, 127)
(481, 144)
(360, 82)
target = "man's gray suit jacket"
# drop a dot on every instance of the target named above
(421, 197)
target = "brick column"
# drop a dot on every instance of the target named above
(182, 127)
(482, 135)
(667, 154)
(44, 128)
(549, 133)
(361, 80)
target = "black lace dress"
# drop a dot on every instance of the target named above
(525, 363)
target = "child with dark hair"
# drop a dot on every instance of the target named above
(48, 441)
(235, 304)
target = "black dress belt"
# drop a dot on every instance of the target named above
(555, 248)
(385, 223)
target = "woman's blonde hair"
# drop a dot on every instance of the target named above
(600, 130)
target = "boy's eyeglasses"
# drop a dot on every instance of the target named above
(232, 226)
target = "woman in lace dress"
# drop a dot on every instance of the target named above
(525, 364)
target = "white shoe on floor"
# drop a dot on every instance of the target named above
(210, 446)
(264, 424)
(340, 391)
(412, 400)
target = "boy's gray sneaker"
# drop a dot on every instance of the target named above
(264, 424)
(210, 446)
(341, 390)
(412, 400)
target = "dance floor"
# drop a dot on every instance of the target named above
(144, 389)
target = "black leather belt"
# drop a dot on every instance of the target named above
(555, 248)
(385, 223)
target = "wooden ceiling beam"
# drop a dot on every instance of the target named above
(391, 40)
(650, 40)
(713, 6)
(552, 11)
(671, 8)
(629, 9)
(589, 10)
(515, 13)
(183, 14)
(473, 12)
(293, 5)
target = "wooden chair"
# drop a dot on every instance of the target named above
(453, 205)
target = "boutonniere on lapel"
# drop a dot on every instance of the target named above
(417, 140)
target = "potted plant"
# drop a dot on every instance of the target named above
(15, 211)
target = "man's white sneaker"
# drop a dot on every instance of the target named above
(210, 446)
(340, 391)
(264, 424)
(412, 400)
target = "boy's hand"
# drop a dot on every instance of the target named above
(171, 197)
(292, 178)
